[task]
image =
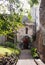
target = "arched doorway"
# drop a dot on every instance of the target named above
(26, 42)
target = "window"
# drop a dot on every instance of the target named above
(26, 30)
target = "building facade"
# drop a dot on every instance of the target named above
(27, 30)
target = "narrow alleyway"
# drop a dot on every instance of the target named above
(26, 58)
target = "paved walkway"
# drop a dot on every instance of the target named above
(26, 58)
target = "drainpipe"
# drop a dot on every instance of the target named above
(35, 23)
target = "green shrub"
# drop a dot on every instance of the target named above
(17, 52)
(10, 37)
(9, 44)
(33, 49)
(34, 53)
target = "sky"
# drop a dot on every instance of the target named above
(4, 7)
(26, 6)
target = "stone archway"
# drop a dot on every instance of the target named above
(26, 42)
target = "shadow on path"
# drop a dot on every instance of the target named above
(25, 54)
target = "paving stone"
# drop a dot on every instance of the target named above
(26, 62)
(26, 58)
(39, 62)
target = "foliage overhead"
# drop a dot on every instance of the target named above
(9, 23)
(32, 2)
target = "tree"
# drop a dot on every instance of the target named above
(16, 4)
(11, 21)
(3, 24)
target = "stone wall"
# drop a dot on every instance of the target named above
(40, 37)
(42, 22)
(2, 39)
(22, 32)
(39, 43)
(40, 46)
